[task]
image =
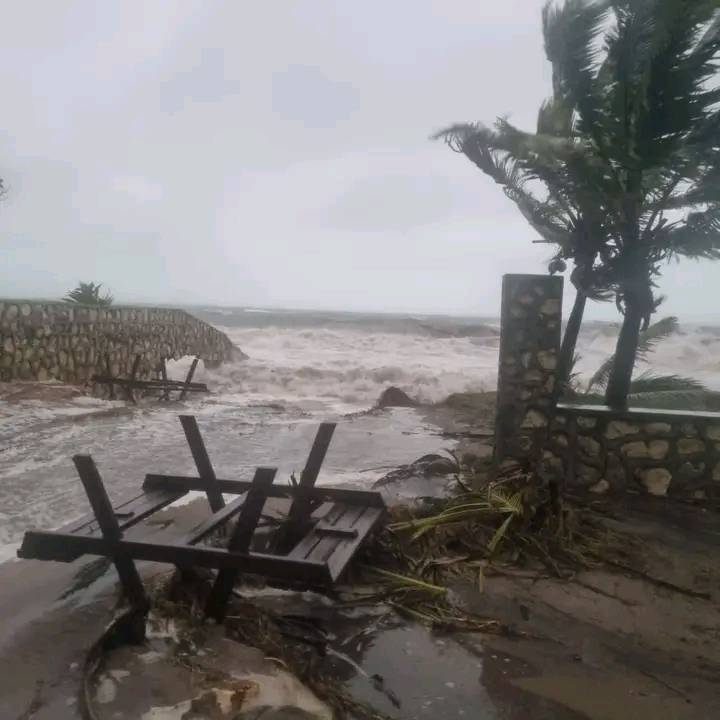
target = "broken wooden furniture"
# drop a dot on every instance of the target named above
(323, 529)
(162, 384)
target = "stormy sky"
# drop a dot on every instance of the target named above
(269, 153)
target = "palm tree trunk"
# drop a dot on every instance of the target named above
(569, 342)
(618, 385)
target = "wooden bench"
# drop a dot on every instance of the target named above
(162, 384)
(308, 550)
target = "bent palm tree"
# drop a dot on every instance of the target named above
(563, 210)
(89, 294)
(644, 146)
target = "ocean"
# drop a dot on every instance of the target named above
(302, 368)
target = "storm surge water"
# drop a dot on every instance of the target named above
(302, 368)
(344, 362)
(346, 359)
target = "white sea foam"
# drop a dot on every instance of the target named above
(347, 369)
(694, 351)
(301, 368)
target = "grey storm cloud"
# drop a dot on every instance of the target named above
(268, 153)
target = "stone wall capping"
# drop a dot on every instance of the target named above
(652, 414)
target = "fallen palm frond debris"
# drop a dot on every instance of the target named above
(513, 521)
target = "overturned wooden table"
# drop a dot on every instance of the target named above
(314, 544)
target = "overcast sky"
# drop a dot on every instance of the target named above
(269, 153)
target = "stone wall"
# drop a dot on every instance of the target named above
(45, 340)
(529, 343)
(588, 447)
(654, 451)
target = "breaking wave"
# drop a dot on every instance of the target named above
(349, 368)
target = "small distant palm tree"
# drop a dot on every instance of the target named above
(89, 294)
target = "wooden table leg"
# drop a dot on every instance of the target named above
(240, 541)
(102, 507)
(202, 461)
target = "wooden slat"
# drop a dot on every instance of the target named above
(141, 506)
(339, 559)
(301, 508)
(238, 487)
(240, 541)
(163, 376)
(202, 461)
(100, 503)
(133, 374)
(336, 550)
(188, 379)
(308, 544)
(152, 384)
(43, 544)
(109, 376)
(215, 521)
(325, 548)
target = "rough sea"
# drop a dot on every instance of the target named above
(302, 368)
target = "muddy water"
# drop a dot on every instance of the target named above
(40, 487)
(405, 671)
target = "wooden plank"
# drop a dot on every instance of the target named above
(202, 461)
(100, 503)
(336, 550)
(306, 546)
(128, 512)
(238, 487)
(365, 525)
(215, 521)
(189, 377)
(133, 374)
(109, 375)
(43, 544)
(299, 514)
(240, 541)
(163, 376)
(326, 544)
(82, 524)
(152, 384)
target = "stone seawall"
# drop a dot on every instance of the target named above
(68, 342)
(588, 447)
(656, 451)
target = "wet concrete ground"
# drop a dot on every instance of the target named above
(41, 489)
(603, 647)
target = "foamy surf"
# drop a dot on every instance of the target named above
(302, 368)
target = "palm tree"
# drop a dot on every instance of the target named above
(558, 211)
(561, 207)
(89, 294)
(644, 144)
(650, 119)
(648, 389)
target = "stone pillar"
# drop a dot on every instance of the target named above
(529, 344)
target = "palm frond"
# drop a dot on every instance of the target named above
(697, 236)
(646, 344)
(669, 400)
(649, 383)
(482, 147)
(570, 33)
(88, 294)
